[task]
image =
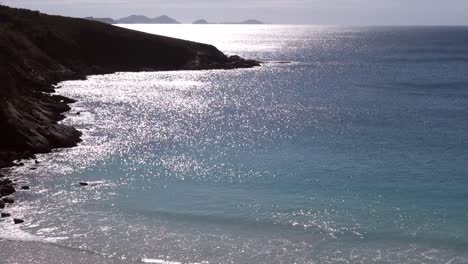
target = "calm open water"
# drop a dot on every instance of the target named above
(355, 152)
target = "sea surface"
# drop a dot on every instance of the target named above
(348, 145)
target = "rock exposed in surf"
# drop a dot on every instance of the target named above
(25, 188)
(5, 215)
(6, 182)
(8, 200)
(18, 221)
(2, 204)
(84, 184)
(7, 190)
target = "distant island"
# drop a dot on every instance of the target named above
(201, 22)
(136, 19)
(140, 19)
(245, 22)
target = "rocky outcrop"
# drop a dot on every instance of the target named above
(6, 188)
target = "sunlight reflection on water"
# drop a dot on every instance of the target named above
(307, 162)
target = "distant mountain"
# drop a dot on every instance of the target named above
(134, 19)
(252, 21)
(164, 20)
(201, 21)
(106, 20)
(138, 19)
(246, 22)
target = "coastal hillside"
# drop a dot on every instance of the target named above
(39, 50)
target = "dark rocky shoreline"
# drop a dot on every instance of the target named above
(38, 51)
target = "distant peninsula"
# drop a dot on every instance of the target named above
(136, 19)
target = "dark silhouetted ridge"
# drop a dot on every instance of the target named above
(39, 50)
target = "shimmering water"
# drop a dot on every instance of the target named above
(355, 152)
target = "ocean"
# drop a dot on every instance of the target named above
(348, 145)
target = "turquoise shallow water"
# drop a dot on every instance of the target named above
(354, 152)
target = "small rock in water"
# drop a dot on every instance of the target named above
(18, 221)
(84, 183)
(78, 113)
(8, 200)
(36, 162)
(20, 164)
(33, 168)
(2, 204)
(5, 215)
(6, 190)
(25, 188)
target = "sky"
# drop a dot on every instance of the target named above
(322, 12)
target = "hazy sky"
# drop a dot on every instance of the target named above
(347, 12)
